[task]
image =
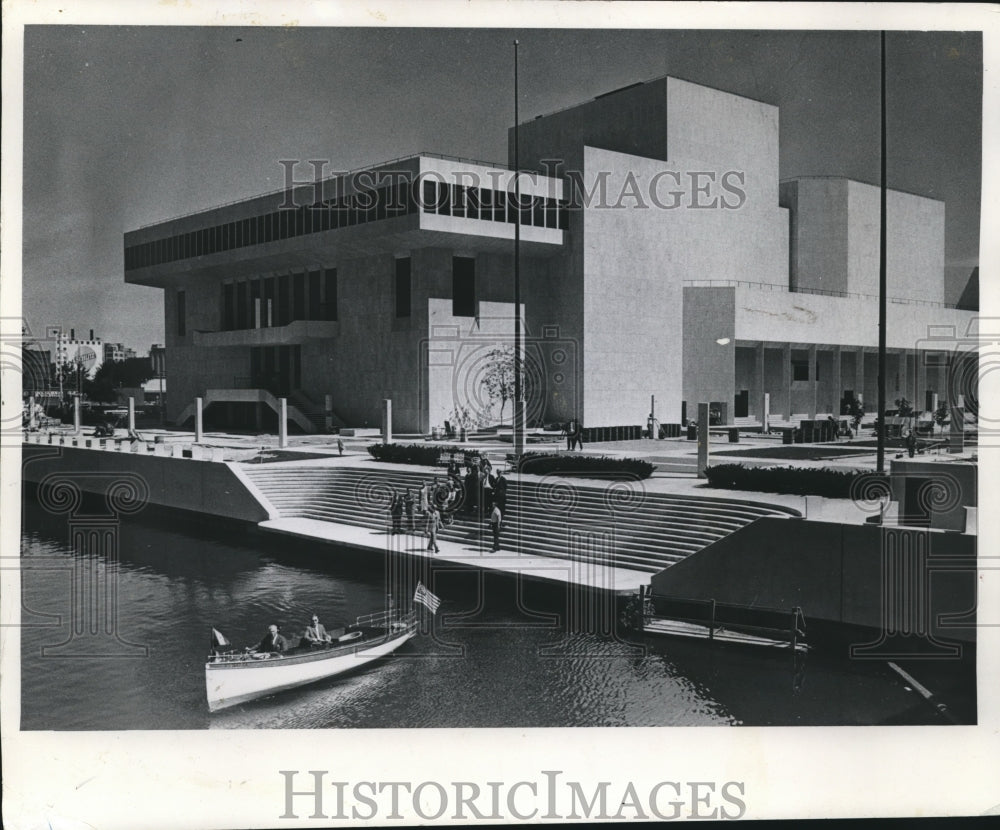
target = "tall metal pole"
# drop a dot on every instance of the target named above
(518, 392)
(880, 458)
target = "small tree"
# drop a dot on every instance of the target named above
(942, 415)
(906, 410)
(855, 411)
(498, 378)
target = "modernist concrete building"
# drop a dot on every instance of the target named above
(661, 256)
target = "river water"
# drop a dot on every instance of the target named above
(116, 623)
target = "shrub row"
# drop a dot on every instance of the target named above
(425, 454)
(802, 481)
(544, 463)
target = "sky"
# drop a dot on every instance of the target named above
(130, 125)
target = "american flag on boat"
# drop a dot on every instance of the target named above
(218, 640)
(426, 598)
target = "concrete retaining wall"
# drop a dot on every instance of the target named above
(834, 572)
(181, 483)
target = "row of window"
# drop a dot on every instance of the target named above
(463, 286)
(398, 199)
(264, 302)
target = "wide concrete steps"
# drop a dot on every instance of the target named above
(622, 525)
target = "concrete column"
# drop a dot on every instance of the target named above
(387, 420)
(159, 449)
(813, 385)
(786, 379)
(177, 450)
(765, 421)
(903, 374)
(131, 415)
(859, 373)
(757, 382)
(282, 423)
(836, 382)
(198, 403)
(519, 423)
(922, 390)
(956, 435)
(76, 415)
(703, 439)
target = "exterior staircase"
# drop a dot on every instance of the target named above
(619, 526)
(247, 396)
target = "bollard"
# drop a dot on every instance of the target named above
(703, 438)
(198, 403)
(76, 415)
(282, 423)
(387, 420)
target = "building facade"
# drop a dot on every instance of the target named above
(660, 257)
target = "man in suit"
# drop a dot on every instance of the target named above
(316, 634)
(499, 485)
(433, 526)
(273, 641)
(496, 520)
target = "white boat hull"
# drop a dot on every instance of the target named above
(233, 682)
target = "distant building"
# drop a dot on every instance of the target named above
(114, 352)
(68, 350)
(662, 257)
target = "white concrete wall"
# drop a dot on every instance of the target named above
(776, 316)
(457, 349)
(632, 302)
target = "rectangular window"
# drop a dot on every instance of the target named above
(430, 196)
(314, 295)
(472, 202)
(282, 302)
(551, 217)
(563, 215)
(255, 306)
(241, 305)
(269, 309)
(457, 200)
(538, 214)
(181, 314)
(330, 294)
(228, 310)
(299, 296)
(463, 286)
(403, 287)
(800, 370)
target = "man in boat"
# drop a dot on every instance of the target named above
(272, 641)
(316, 634)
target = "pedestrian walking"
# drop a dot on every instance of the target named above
(578, 433)
(408, 506)
(496, 520)
(396, 511)
(499, 484)
(340, 445)
(570, 431)
(433, 526)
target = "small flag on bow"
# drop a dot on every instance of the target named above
(218, 640)
(426, 598)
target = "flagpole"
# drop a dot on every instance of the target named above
(880, 454)
(518, 435)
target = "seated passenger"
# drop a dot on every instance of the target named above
(316, 634)
(272, 641)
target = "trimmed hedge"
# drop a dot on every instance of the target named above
(801, 481)
(426, 454)
(545, 463)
